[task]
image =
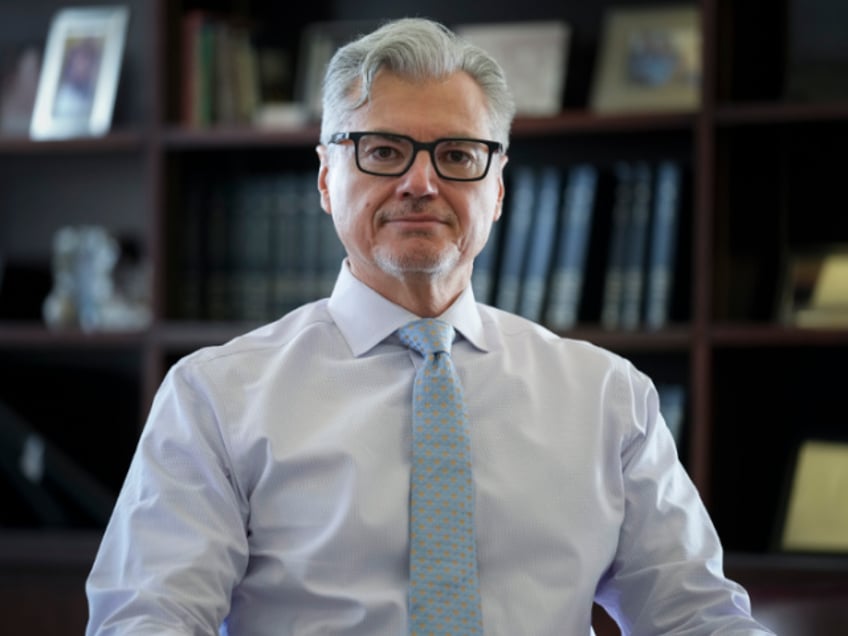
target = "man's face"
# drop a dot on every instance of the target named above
(417, 224)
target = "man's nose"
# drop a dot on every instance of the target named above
(421, 179)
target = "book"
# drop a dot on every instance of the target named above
(516, 241)
(541, 246)
(663, 245)
(218, 292)
(285, 231)
(251, 249)
(620, 226)
(197, 54)
(575, 223)
(672, 398)
(484, 274)
(310, 217)
(220, 82)
(190, 301)
(633, 267)
(331, 250)
(245, 71)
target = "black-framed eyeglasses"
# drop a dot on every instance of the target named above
(391, 155)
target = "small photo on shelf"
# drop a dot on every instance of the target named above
(649, 60)
(79, 73)
(534, 58)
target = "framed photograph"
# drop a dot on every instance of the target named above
(815, 287)
(649, 60)
(533, 56)
(319, 41)
(79, 73)
(815, 507)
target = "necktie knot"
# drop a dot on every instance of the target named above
(427, 336)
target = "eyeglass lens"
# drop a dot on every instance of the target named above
(453, 158)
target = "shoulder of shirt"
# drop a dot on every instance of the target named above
(268, 337)
(516, 330)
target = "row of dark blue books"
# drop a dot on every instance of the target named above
(254, 247)
(586, 243)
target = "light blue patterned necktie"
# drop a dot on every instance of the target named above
(444, 594)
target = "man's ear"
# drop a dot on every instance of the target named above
(323, 170)
(501, 189)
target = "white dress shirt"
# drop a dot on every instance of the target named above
(269, 492)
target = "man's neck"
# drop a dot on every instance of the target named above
(426, 295)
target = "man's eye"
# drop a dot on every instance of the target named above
(384, 152)
(456, 156)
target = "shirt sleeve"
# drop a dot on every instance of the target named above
(176, 543)
(667, 575)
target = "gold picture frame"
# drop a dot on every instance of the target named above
(79, 73)
(815, 516)
(649, 60)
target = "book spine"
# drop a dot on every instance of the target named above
(575, 223)
(192, 53)
(661, 262)
(310, 218)
(518, 229)
(191, 302)
(205, 110)
(250, 237)
(672, 399)
(286, 239)
(218, 282)
(633, 272)
(540, 249)
(332, 252)
(611, 302)
(484, 274)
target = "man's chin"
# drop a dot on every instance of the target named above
(401, 265)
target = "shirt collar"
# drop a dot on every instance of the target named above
(365, 318)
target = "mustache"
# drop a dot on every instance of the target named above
(412, 208)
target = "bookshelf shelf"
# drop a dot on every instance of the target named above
(769, 113)
(176, 336)
(762, 174)
(31, 334)
(776, 335)
(113, 142)
(48, 548)
(179, 138)
(583, 121)
(677, 339)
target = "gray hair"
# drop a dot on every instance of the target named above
(415, 48)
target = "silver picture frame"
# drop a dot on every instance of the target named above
(80, 71)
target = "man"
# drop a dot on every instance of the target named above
(270, 491)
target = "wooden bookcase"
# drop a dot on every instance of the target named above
(765, 175)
